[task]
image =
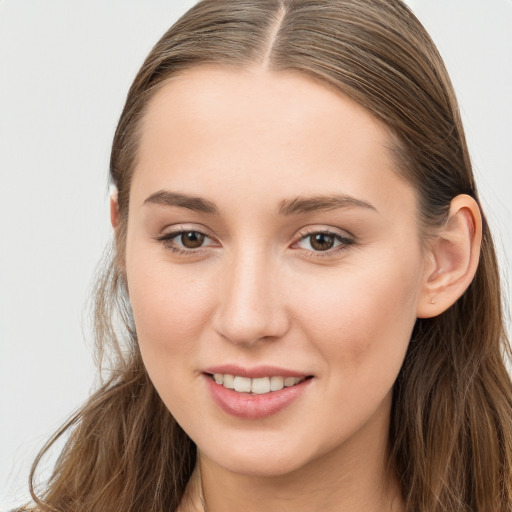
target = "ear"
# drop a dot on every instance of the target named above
(452, 258)
(114, 207)
(115, 220)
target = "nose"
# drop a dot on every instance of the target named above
(251, 305)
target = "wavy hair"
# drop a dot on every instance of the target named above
(451, 420)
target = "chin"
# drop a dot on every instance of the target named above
(267, 458)
(262, 467)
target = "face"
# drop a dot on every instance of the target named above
(273, 248)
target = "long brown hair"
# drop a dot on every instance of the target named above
(451, 418)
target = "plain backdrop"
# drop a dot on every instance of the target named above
(65, 68)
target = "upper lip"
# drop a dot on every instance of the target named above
(255, 372)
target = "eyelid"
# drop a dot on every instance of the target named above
(167, 237)
(176, 229)
(313, 230)
(346, 239)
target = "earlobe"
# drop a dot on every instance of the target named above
(453, 258)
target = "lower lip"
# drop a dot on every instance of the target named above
(252, 406)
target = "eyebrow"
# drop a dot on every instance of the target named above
(197, 204)
(287, 207)
(321, 203)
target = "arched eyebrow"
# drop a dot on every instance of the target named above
(287, 207)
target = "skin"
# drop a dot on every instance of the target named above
(257, 292)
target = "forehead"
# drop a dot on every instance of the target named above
(273, 133)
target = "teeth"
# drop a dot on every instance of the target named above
(229, 382)
(276, 383)
(257, 386)
(242, 384)
(260, 386)
(290, 381)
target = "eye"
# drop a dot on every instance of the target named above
(324, 241)
(185, 240)
(321, 241)
(191, 239)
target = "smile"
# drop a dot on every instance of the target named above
(257, 386)
(258, 396)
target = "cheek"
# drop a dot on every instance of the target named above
(170, 311)
(170, 308)
(363, 316)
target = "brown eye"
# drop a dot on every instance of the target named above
(322, 241)
(192, 239)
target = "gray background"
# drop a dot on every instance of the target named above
(65, 68)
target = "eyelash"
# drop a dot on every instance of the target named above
(344, 242)
(167, 241)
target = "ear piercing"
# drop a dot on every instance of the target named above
(432, 301)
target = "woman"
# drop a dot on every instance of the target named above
(303, 304)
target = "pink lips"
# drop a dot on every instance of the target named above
(251, 406)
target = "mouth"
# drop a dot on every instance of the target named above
(256, 386)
